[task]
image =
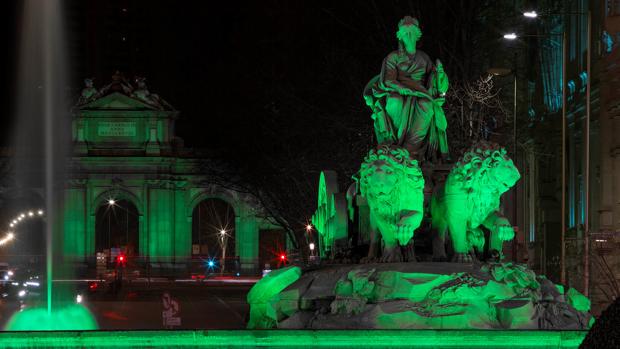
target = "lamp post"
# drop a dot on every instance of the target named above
(513, 36)
(310, 240)
(586, 237)
(506, 72)
(223, 242)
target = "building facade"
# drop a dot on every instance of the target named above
(136, 189)
(590, 212)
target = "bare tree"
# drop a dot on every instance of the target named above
(308, 115)
(475, 112)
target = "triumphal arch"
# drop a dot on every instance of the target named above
(135, 188)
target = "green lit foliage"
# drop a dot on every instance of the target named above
(393, 184)
(476, 112)
(72, 317)
(470, 199)
(330, 218)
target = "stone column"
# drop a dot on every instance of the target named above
(91, 215)
(246, 246)
(182, 226)
(160, 221)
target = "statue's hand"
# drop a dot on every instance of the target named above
(504, 230)
(439, 66)
(442, 78)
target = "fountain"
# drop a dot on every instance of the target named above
(389, 289)
(41, 146)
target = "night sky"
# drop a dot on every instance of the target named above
(229, 67)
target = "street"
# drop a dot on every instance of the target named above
(198, 305)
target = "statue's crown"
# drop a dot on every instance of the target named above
(408, 20)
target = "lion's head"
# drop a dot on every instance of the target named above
(388, 174)
(485, 167)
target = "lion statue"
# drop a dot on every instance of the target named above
(393, 185)
(470, 199)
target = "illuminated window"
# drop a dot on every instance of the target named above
(583, 77)
(571, 87)
(608, 42)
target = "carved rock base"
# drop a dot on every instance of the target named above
(419, 296)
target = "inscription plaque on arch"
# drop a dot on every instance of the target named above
(116, 129)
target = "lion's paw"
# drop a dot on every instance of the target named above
(462, 258)
(409, 254)
(495, 256)
(391, 255)
(368, 260)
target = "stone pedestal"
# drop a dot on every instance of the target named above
(415, 296)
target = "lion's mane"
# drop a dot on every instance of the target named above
(470, 170)
(400, 162)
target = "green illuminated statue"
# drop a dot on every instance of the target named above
(392, 183)
(406, 99)
(330, 218)
(470, 199)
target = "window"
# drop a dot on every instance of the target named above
(613, 8)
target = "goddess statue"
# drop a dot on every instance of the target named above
(407, 97)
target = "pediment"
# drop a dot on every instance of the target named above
(116, 101)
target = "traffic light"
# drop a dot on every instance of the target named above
(121, 260)
(282, 259)
(93, 286)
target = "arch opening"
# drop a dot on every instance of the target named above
(117, 230)
(213, 235)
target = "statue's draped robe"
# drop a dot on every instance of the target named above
(412, 121)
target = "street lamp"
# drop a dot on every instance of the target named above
(111, 202)
(563, 126)
(506, 72)
(223, 243)
(586, 279)
(510, 36)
